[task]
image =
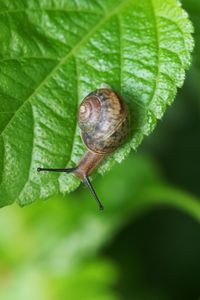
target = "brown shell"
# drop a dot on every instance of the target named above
(103, 120)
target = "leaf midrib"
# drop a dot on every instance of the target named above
(47, 9)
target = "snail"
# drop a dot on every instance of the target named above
(103, 120)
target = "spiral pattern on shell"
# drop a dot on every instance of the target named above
(103, 120)
(89, 113)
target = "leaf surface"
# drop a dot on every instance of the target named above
(53, 53)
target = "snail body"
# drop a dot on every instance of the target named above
(103, 120)
(104, 123)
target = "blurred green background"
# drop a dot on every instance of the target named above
(146, 245)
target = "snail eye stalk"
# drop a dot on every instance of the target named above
(69, 170)
(86, 180)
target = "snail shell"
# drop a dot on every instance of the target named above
(103, 120)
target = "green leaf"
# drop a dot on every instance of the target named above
(53, 53)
